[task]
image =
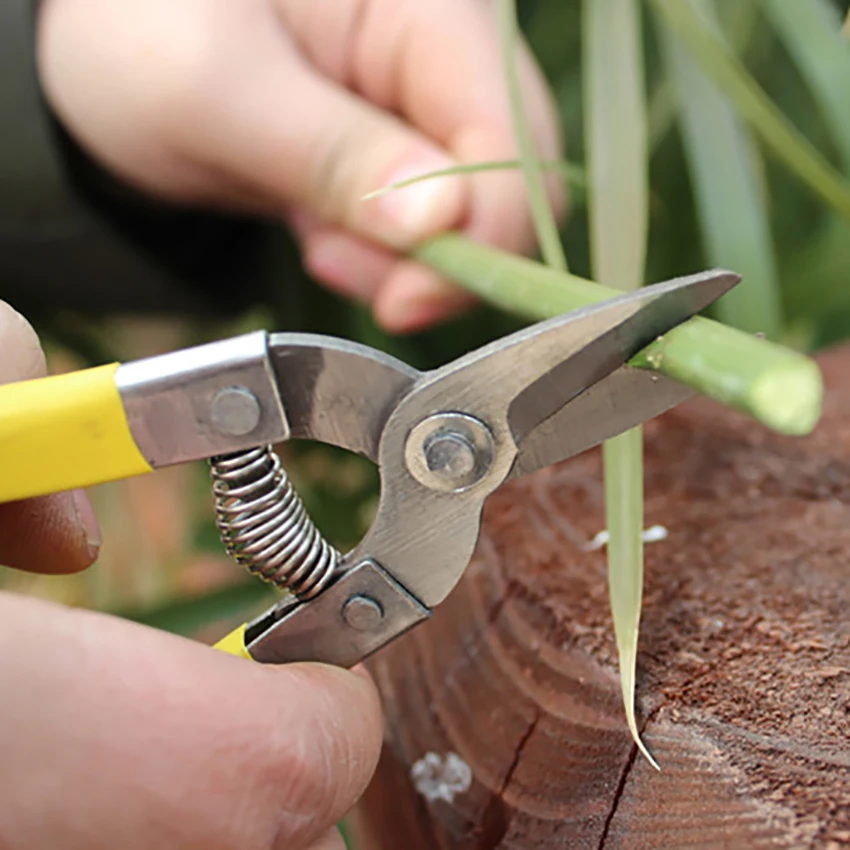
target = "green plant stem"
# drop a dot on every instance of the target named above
(544, 222)
(779, 387)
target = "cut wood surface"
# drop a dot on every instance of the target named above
(744, 663)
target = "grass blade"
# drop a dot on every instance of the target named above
(544, 222)
(572, 173)
(777, 133)
(618, 203)
(727, 184)
(811, 32)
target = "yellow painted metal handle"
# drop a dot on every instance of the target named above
(63, 432)
(234, 643)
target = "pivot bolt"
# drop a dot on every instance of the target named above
(449, 452)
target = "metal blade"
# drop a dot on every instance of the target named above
(338, 392)
(626, 398)
(610, 337)
(424, 537)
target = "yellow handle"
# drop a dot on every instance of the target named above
(64, 432)
(234, 643)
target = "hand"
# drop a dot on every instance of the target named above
(300, 107)
(115, 735)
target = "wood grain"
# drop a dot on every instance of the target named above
(744, 663)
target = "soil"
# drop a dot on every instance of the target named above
(743, 667)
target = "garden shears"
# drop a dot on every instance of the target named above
(443, 441)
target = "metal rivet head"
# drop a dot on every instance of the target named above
(449, 451)
(362, 613)
(235, 411)
(449, 455)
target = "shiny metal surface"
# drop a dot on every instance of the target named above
(449, 452)
(425, 538)
(362, 613)
(320, 631)
(235, 411)
(444, 440)
(626, 398)
(264, 526)
(336, 391)
(169, 399)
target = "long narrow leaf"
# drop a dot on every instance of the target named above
(811, 31)
(572, 173)
(618, 202)
(544, 222)
(775, 130)
(722, 160)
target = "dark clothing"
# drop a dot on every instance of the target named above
(72, 237)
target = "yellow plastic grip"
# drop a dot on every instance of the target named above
(234, 643)
(63, 432)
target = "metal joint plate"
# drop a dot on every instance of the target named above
(169, 399)
(319, 630)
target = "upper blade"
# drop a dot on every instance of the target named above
(611, 335)
(619, 400)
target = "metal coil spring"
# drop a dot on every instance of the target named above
(265, 527)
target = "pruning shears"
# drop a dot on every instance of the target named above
(443, 441)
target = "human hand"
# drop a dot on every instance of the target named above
(298, 108)
(116, 735)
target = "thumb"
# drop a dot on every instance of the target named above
(50, 534)
(117, 735)
(287, 131)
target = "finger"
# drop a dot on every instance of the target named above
(266, 117)
(117, 735)
(331, 841)
(406, 296)
(379, 48)
(346, 264)
(414, 297)
(50, 534)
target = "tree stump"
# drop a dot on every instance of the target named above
(504, 724)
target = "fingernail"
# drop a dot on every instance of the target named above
(88, 521)
(423, 208)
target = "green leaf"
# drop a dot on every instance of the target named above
(728, 187)
(618, 202)
(572, 173)
(544, 222)
(777, 133)
(811, 32)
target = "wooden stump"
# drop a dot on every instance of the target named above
(506, 707)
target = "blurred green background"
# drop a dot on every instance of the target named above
(161, 560)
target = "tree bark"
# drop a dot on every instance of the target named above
(744, 663)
